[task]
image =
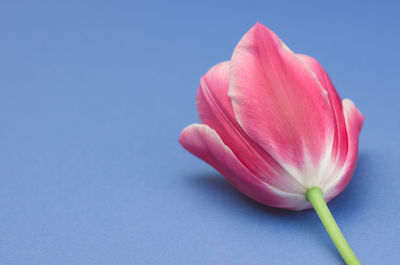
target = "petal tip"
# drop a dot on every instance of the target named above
(185, 133)
(351, 106)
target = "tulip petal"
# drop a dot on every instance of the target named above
(215, 109)
(204, 142)
(339, 148)
(354, 121)
(279, 102)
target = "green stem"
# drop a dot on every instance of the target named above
(315, 197)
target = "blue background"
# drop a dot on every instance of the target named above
(93, 96)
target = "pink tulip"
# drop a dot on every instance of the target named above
(274, 126)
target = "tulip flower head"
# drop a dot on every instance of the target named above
(274, 126)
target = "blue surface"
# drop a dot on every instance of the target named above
(93, 96)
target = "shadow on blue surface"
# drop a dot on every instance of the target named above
(220, 191)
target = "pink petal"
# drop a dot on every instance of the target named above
(278, 101)
(354, 121)
(339, 147)
(205, 143)
(215, 109)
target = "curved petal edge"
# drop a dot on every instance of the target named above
(205, 143)
(354, 121)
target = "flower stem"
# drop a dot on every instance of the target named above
(315, 197)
